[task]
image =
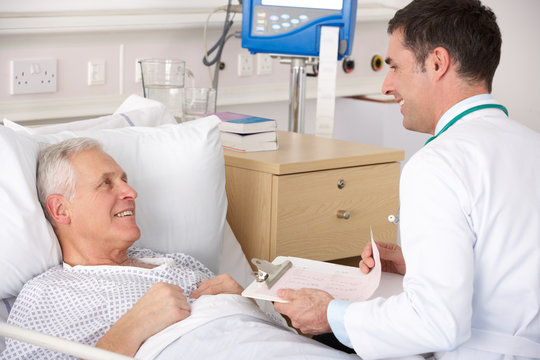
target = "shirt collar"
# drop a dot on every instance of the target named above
(454, 110)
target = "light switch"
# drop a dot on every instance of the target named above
(96, 72)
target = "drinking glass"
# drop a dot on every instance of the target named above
(198, 102)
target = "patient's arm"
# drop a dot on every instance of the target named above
(391, 258)
(221, 284)
(161, 306)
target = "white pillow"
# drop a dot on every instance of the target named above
(177, 170)
(179, 174)
(28, 243)
(134, 111)
(232, 260)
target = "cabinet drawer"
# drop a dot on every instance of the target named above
(304, 214)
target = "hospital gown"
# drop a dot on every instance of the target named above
(81, 303)
(90, 299)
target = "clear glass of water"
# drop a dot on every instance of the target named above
(164, 80)
(198, 102)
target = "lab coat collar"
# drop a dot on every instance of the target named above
(461, 106)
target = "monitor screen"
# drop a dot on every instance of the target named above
(309, 4)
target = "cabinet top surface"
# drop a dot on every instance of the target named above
(302, 153)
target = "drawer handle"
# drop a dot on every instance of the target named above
(343, 214)
(341, 184)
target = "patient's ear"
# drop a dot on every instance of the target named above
(56, 206)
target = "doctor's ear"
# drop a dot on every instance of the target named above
(440, 61)
(57, 208)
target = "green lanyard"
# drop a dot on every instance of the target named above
(466, 112)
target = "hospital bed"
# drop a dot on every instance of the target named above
(180, 208)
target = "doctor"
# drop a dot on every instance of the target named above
(470, 205)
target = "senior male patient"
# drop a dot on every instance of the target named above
(105, 293)
(470, 205)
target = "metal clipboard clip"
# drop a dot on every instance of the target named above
(268, 272)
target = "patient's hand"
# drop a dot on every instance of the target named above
(391, 258)
(221, 284)
(161, 306)
(306, 309)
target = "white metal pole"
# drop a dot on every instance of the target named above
(58, 344)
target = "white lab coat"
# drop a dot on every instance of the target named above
(470, 233)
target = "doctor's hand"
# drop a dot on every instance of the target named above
(306, 309)
(221, 284)
(391, 258)
(161, 306)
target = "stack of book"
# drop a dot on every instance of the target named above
(247, 133)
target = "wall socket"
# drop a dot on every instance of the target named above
(33, 76)
(264, 64)
(245, 64)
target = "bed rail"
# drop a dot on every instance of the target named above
(58, 344)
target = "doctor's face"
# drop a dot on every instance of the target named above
(409, 84)
(103, 208)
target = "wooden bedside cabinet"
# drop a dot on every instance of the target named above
(314, 197)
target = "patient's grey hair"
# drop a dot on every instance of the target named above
(55, 173)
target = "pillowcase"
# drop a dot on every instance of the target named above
(134, 111)
(28, 243)
(179, 174)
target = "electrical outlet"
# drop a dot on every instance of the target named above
(264, 64)
(33, 76)
(245, 64)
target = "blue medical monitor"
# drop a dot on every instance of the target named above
(293, 27)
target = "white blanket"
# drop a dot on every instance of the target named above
(232, 327)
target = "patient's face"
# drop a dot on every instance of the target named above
(103, 208)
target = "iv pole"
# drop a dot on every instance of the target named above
(297, 90)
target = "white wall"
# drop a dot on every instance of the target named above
(516, 85)
(517, 81)
(120, 37)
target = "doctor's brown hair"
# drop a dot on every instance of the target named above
(467, 29)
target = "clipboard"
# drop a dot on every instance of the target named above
(340, 281)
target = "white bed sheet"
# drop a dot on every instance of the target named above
(232, 327)
(256, 340)
(249, 339)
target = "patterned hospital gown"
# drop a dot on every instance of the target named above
(81, 303)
